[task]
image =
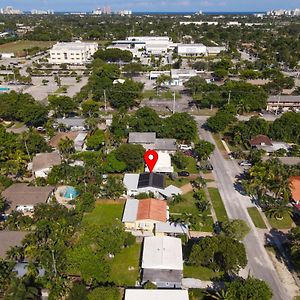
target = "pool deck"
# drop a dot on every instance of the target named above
(60, 191)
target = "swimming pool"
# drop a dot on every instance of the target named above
(4, 89)
(70, 193)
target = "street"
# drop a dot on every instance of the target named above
(259, 262)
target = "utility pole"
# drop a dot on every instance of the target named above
(104, 92)
(174, 101)
(229, 97)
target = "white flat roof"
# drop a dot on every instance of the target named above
(164, 253)
(130, 211)
(156, 294)
(131, 181)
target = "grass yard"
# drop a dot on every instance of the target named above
(191, 167)
(18, 47)
(201, 273)
(285, 223)
(104, 213)
(204, 222)
(218, 204)
(256, 218)
(128, 257)
(179, 182)
(218, 141)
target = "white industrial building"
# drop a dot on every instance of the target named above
(138, 45)
(191, 50)
(77, 53)
(198, 50)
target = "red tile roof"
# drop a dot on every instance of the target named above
(295, 187)
(261, 139)
(152, 209)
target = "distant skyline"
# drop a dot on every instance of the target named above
(154, 5)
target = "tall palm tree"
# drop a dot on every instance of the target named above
(66, 147)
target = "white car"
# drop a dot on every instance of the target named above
(185, 147)
(245, 164)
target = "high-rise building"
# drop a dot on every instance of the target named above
(9, 10)
(97, 11)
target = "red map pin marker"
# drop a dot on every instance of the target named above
(151, 158)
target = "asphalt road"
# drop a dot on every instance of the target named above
(259, 262)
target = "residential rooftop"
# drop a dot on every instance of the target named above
(164, 253)
(162, 294)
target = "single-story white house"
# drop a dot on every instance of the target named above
(149, 182)
(162, 261)
(163, 164)
(163, 294)
(43, 163)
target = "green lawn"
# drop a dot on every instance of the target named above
(191, 167)
(204, 222)
(285, 223)
(218, 204)
(256, 217)
(201, 273)
(218, 141)
(128, 257)
(104, 213)
(179, 182)
(18, 47)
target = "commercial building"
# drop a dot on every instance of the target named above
(76, 53)
(198, 50)
(180, 76)
(283, 103)
(162, 262)
(191, 50)
(145, 45)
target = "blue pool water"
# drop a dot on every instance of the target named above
(4, 89)
(70, 193)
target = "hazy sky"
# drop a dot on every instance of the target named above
(154, 5)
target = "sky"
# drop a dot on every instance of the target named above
(154, 5)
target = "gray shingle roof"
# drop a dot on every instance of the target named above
(142, 137)
(21, 194)
(45, 160)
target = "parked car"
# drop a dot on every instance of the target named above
(188, 153)
(184, 174)
(185, 147)
(245, 164)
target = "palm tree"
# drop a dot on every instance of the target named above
(279, 211)
(66, 147)
(221, 295)
(242, 107)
